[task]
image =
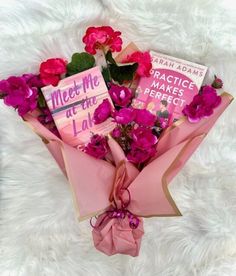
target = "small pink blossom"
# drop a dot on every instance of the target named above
(144, 62)
(102, 112)
(145, 118)
(217, 83)
(120, 95)
(116, 132)
(98, 146)
(102, 38)
(125, 115)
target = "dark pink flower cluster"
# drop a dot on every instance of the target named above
(97, 147)
(102, 38)
(134, 131)
(21, 92)
(202, 104)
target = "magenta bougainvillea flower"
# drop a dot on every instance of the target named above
(125, 115)
(98, 147)
(120, 95)
(102, 38)
(102, 112)
(21, 92)
(144, 62)
(202, 104)
(145, 118)
(51, 71)
(143, 138)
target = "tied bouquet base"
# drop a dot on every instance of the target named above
(117, 191)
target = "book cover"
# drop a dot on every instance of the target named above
(172, 84)
(72, 104)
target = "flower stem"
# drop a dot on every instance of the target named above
(109, 72)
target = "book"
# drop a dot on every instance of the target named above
(72, 104)
(172, 84)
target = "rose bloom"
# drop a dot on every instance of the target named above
(102, 38)
(124, 116)
(115, 236)
(137, 155)
(102, 112)
(98, 147)
(51, 71)
(120, 95)
(145, 118)
(20, 93)
(143, 138)
(144, 62)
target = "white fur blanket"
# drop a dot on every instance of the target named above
(39, 232)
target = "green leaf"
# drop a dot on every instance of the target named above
(123, 73)
(109, 58)
(41, 100)
(106, 74)
(79, 63)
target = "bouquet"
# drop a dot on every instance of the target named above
(120, 172)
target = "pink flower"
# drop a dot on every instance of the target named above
(116, 132)
(51, 71)
(144, 62)
(143, 138)
(202, 104)
(114, 236)
(97, 147)
(124, 115)
(145, 118)
(102, 112)
(120, 95)
(19, 93)
(102, 38)
(137, 155)
(217, 83)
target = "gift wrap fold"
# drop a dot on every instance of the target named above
(98, 184)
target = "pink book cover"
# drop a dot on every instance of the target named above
(72, 104)
(172, 85)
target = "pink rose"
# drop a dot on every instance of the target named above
(102, 38)
(102, 112)
(124, 116)
(116, 236)
(51, 71)
(143, 138)
(116, 132)
(145, 118)
(120, 95)
(144, 62)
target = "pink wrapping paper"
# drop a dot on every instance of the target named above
(93, 181)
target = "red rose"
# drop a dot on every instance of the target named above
(51, 71)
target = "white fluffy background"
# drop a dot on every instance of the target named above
(39, 232)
